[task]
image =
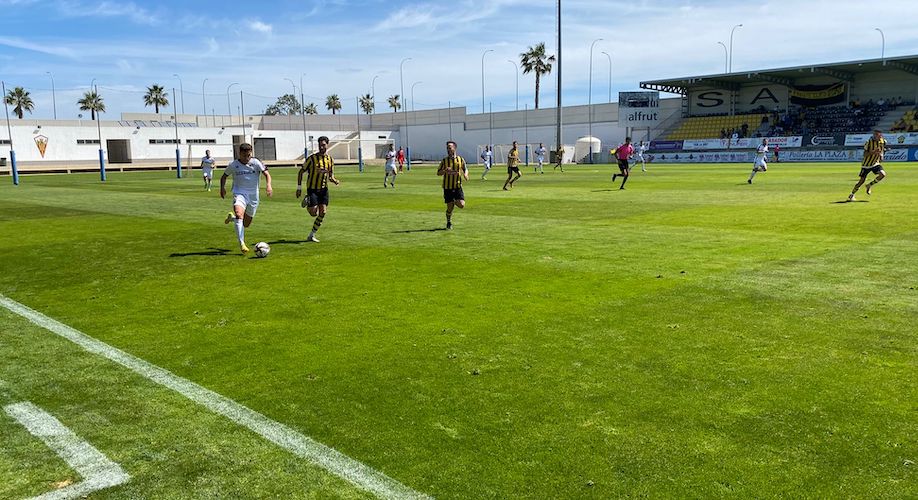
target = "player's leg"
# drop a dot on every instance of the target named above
(755, 170)
(240, 203)
(860, 182)
(509, 176)
(385, 181)
(626, 171)
(449, 214)
(321, 210)
(518, 175)
(394, 175)
(880, 176)
(643, 164)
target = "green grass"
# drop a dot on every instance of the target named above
(690, 336)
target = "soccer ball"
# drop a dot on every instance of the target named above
(262, 249)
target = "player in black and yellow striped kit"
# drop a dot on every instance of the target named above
(320, 168)
(453, 169)
(874, 149)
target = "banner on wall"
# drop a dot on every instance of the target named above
(744, 143)
(666, 145)
(913, 154)
(638, 109)
(820, 155)
(695, 144)
(903, 139)
(41, 142)
(712, 157)
(818, 95)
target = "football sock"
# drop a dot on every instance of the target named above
(449, 215)
(752, 176)
(317, 223)
(240, 231)
(624, 180)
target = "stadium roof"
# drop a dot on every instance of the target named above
(843, 71)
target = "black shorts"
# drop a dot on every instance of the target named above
(453, 195)
(513, 170)
(623, 164)
(316, 197)
(876, 169)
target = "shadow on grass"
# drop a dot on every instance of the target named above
(431, 230)
(287, 242)
(213, 252)
(843, 202)
(604, 190)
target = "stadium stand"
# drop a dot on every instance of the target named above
(708, 127)
(908, 122)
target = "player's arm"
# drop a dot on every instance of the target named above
(223, 185)
(268, 188)
(331, 174)
(299, 180)
(465, 170)
(442, 170)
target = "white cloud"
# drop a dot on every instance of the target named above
(130, 10)
(260, 27)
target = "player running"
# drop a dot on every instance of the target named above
(390, 166)
(874, 149)
(641, 149)
(540, 158)
(513, 167)
(560, 159)
(453, 169)
(487, 159)
(321, 169)
(401, 159)
(246, 172)
(624, 153)
(207, 167)
(759, 164)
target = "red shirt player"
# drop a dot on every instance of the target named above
(624, 153)
(777, 150)
(401, 159)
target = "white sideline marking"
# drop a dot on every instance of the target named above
(97, 471)
(328, 458)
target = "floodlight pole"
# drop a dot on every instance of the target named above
(99, 131)
(731, 46)
(303, 103)
(511, 61)
(178, 154)
(53, 94)
(558, 111)
(883, 46)
(401, 82)
(229, 108)
(294, 92)
(9, 130)
(204, 101)
(726, 57)
(482, 79)
(359, 144)
(590, 100)
(242, 118)
(182, 90)
(526, 121)
(610, 74)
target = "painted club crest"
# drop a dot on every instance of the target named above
(42, 143)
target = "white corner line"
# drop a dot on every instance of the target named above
(97, 471)
(333, 461)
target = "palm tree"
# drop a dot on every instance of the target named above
(156, 96)
(333, 103)
(19, 97)
(535, 61)
(367, 104)
(92, 101)
(394, 103)
(311, 109)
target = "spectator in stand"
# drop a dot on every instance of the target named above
(723, 134)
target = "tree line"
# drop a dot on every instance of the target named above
(534, 60)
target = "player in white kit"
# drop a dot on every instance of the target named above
(246, 172)
(487, 158)
(391, 167)
(642, 147)
(207, 167)
(540, 158)
(759, 165)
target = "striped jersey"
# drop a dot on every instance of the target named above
(873, 152)
(452, 179)
(513, 157)
(319, 167)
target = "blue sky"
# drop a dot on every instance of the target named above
(338, 46)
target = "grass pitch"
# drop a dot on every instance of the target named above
(691, 335)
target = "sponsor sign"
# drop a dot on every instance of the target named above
(693, 144)
(666, 145)
(821, 140)
(820, 155)
(913, 154)
(747, 98)
(706, 157)
(818, 95)
(903, 139)
(638, 109)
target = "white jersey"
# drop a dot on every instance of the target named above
(207, 163)
(540, 154)
(486, 157)
(641, 149)
(761, 151)
(246, 177)
(390, 159)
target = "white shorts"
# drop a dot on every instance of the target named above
(208, 172)
(250, 202)
(541, 160)
(640, 158)
(759, 164)
(391, 169)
